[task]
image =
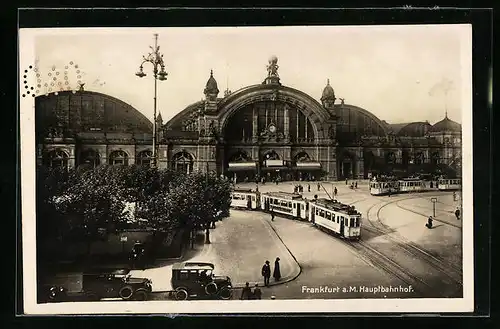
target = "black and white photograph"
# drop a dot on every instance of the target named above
(247, 169)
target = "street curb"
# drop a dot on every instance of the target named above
(292, 278)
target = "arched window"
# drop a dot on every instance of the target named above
(419, 158)
(302, 157)
(239, 156)
(390, 158)
(90, 157)
(145, 158)
(57, 159)
(272, 155)
(183, 162)
(118, 158)
(435, 158)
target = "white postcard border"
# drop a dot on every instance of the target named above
(28, 165)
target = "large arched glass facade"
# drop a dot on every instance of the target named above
(271, 119)
(354, 123)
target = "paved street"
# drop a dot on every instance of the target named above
(404, 215)
(330, 267)
(239, 246)
(327, 261)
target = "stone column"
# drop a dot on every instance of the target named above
(286, 119)
(305, 127)
(255, 123)
(71, 160)
(360, 164)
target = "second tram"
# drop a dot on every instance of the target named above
(445, 184)
(289, 204)
(383, 187)
(245, 198)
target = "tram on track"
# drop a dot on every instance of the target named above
(333, 216)
(292, 205)
(445, 184)
(413, 185)
(384, 187)
(245, 199)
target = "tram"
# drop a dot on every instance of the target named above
(446, 184)
(291, 205)
(335, 217)
(409, 185)
(245, 198)
(383, 187)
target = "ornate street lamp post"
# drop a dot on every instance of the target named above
(155, 58)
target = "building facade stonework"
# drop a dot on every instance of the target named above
(265, 130)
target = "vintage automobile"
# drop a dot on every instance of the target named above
(197, 280)
(114, 283)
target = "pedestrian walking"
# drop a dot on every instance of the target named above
(319, 186)
(308, 187)
(335, 191)
(257, 293)
(266, 273)
(356, 185)
(457, 213)
(272, 215)
(429, 222)
(346, 183)
(277, 272)
(246, 293)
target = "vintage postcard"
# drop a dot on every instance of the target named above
(304, 169)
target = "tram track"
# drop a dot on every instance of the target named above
(451, 271)
(424, 215)
(384, 262)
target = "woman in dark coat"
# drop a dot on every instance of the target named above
(277, 272)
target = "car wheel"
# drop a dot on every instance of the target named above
(225, 293)
(140, 295)
(211, 288)
(126, 292)
(181, 294)
(92, 296)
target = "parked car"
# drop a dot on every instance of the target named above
(197, 280)
(116, 283)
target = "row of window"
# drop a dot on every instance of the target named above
(58, 158)
(450, 181)
(241, 197)
(352, 222)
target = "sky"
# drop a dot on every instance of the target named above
(398, 73)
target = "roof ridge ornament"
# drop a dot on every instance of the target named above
(272, 71)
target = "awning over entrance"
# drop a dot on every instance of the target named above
(242, 166)
(307, 166)
(274, 163)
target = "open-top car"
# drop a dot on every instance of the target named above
(197, 280)
(115, 283)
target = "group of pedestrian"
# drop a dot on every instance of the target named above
(266, 271)
(247, 292)
(299, 188)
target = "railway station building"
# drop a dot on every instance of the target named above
(263, 130)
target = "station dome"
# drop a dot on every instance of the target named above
(88, 111)
(446, 125)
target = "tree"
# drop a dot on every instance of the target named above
(94, 201)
